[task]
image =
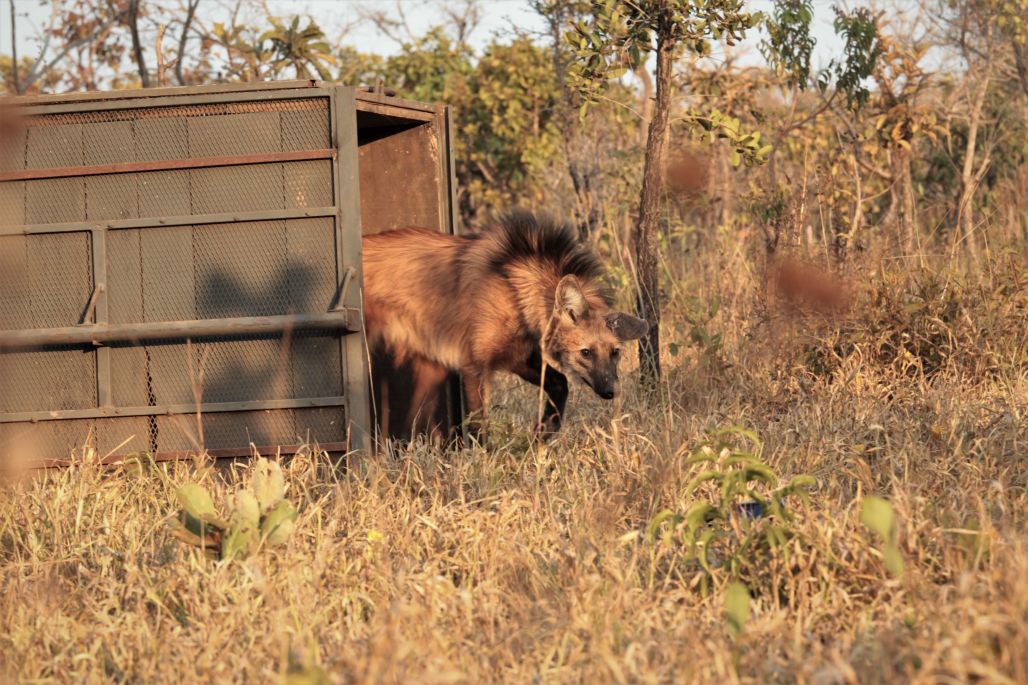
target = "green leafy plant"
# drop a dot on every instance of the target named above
(877, 514)
(699, 316)
(861, 48)
(789, 46)
(737, 613)
(737, 607)
(739, 519)
(303, 48)
(259, 515)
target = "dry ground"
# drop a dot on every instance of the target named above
(541, 565)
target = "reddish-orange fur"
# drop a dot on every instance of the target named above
(485, 303)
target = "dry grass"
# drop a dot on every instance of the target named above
(532, 565)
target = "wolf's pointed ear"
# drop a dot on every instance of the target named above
(569, 300)
(625, 326)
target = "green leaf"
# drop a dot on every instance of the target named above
(758, 472)
(268, 484)
(699, 513)
(798, 485)
(703, 547)
(311, 675)
(737, 607)
(703, 477)
(877, 514)
(241, 537)
(740, 431)
(197, 502)
(193, 531)
(247, 510)
(893, 559)
(239, 542)
(802, 481)
(278, 524)
(656, 522)
(701, 455)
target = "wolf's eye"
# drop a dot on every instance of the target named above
(587, 353)
(615, 353)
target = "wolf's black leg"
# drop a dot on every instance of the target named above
(555, 385)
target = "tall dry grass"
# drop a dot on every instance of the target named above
(527, 564)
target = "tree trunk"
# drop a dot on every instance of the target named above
(902, 203)
(1021, 62)
(968, 182)
(646, 110)
(646, 262)
(14, 52)
(844, 241)
(137, 45)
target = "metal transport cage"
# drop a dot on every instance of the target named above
(180, 268)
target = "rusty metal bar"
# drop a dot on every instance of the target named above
(346, 177)
(338, 302)
(454, 393)
(143, 100)
(225, 453)
(187, 111)
(98, 305)
(367, 101)
(237, 90)
(167, 409)
(166, 165)
(345, 319)
(184, 220)
(89, 315)
(226, 92)
(391, 109)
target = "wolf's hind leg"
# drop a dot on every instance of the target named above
(476, 400)
(428, 379)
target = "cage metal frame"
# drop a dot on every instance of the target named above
(344, 315)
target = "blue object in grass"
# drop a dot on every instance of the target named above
(751, 510)
(754, 510)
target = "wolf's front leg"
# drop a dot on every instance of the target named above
(555, 385)
(476, 400)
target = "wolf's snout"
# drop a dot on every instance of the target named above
(604, 386)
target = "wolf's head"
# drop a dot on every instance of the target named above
(585, 338)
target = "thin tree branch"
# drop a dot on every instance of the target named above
(191, 6)
(14, 50)
(137, 44)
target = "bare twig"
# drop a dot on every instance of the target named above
(14, 50)
(187, 23)
(160, 54)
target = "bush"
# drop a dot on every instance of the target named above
(931, 322)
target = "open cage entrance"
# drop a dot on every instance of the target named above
(404, 162)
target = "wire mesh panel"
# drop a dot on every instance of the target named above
(173, 271)
(46, 281)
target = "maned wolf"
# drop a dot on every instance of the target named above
(511, 298)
